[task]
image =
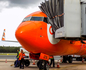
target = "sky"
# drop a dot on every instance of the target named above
(12, 12)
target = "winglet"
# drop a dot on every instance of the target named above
(3, 36)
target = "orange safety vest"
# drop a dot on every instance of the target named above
(21, 56)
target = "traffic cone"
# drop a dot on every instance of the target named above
(6, 61)
(58, 66)
(33, 62)
(61, 60)
(82, 60)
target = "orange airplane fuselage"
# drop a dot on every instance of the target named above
(36, 36)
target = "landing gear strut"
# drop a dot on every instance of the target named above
(67, 58)
(42, 64)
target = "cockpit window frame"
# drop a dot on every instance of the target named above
(43, 19)
(46, 19)
(37, 20)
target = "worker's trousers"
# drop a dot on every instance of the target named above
(17, 62)
(22, 63)
(52, 62)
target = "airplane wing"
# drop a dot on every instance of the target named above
(10, 41)
(3, 38)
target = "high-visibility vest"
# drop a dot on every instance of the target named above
(18, 54)
(51, 57)
(21, 56)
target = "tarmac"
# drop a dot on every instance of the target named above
(7, 57)
(76, 65)
(14, 57)
(7, 60)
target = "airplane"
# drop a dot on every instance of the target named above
(35, 34)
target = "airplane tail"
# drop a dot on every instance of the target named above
(3, 36)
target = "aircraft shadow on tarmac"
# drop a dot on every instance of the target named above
(73, 64)
(37, 67)
(32, 67)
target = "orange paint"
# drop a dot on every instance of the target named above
(33, 36)
(44, 57)
(51, 30)
(38, 14)
(3, 36)
(3, 39)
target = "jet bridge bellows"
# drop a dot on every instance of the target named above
(53, 8)
(67, 17)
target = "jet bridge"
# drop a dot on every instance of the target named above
(67, 17)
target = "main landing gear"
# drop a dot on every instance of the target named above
(67, 58)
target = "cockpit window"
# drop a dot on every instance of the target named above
(36, 19)
(26, 19)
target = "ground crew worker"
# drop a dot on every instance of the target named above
(52, 61)
(18, 54)
(17, 61)
(21, 59)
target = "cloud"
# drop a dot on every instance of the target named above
(22, 3)
(3, 4)
(19, 3)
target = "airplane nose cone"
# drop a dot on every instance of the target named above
(25, 33)
(30, 35)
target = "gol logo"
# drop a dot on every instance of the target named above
(51, 30)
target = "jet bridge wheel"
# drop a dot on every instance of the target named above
(42, 64)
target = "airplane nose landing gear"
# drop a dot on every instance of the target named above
(43, 65)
